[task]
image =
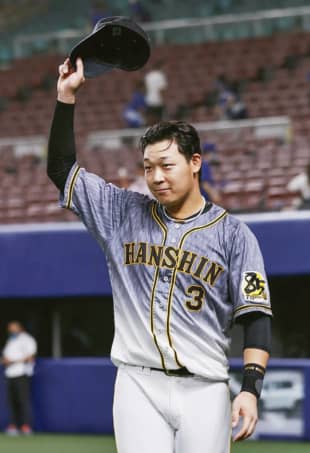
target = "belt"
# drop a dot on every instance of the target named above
(177, 372)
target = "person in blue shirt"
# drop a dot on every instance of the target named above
(207, 183)
(134, 111)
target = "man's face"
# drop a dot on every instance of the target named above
(169, 176)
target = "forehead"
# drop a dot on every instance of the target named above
(161, 150)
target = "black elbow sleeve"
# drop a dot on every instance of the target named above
(257, 331)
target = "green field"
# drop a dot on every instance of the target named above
(42, 443)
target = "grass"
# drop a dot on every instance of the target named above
(270, 447)
(46, 443)
(50, 443)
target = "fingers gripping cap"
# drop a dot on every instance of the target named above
(115, 42)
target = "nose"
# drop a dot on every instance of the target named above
(158, 176)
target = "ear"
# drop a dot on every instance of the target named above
(196, 163)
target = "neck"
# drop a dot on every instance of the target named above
(186, 208)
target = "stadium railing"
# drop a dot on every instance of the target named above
(189, 30)
(260, 127)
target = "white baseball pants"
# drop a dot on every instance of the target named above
(156, 413)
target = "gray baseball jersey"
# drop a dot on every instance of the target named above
(177, 286)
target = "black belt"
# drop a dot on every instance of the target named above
(177, 372)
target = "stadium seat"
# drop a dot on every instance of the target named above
(247, 165)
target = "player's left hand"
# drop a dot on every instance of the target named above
(245, 406)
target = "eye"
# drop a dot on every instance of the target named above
(147, 168)
(167, 165)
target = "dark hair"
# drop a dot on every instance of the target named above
(185, 136)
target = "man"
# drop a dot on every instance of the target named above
(207, 186)
(301, 184)
(18, 359)
(182, 270)
(135, 109)
(155, 84)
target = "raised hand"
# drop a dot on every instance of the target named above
(69, 80)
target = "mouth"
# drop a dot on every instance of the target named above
(161, 191)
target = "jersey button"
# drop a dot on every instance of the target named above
(177, 226)
(166, 278)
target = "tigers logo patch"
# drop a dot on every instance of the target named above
(254, 287)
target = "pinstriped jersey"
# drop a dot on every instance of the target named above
(177, 285)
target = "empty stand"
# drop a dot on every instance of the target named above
(191, 71)
(253, 172)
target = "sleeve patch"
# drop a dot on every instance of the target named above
(254, 287)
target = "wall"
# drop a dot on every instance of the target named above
(64, 260)
(69, 395)
(76, 396)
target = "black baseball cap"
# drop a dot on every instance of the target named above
(115, 42)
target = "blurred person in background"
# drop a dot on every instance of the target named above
(123, 179)
(98, 10)
(301, 184)
(156, 84)
(229, 104)
(223, 99)
(235, 108)
(18, 358)
(134, 112)
(138, 11)
(207, 183)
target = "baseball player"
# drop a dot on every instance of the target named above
(182, 272)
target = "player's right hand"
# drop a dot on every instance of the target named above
(69, 80)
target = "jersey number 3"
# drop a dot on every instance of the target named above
(197, 294)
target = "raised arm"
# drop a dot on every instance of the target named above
(61, 146)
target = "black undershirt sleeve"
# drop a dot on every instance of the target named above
(61, 146)
(257, 330)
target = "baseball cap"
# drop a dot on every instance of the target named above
(115, 42)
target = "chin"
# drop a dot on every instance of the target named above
(169, 203)
(162, 198)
